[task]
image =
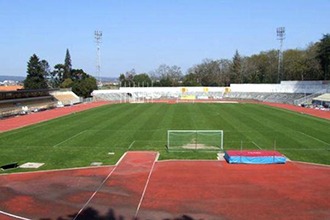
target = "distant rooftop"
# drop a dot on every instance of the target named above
(10, 88)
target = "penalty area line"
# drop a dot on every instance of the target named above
(70, 138)
(256, 145)
(314, 138)
(13, 216)
(129, 147)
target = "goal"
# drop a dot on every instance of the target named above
(187, 140)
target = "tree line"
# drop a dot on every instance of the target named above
(310, 63)
(40, 76)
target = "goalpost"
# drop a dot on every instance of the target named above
(202, 140)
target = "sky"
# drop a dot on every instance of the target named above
(144, 34)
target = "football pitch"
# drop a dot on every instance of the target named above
(103, 134)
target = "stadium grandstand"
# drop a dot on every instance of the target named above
(289, 92)
(21, 101)
(65, 97)
(322, 101)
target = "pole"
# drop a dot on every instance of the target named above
(280, 31)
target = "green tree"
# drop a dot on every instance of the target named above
(82, 83)
(57, 75)
(324, 55)
(295, 64)
(67, 83)
(191, 79)
(236, 69)
(85, 86)
(314, 70)
(67, 65)
(142, 80)
(126, 80)
(37, 71)
(261, 68)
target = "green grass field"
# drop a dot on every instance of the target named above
(82, 138)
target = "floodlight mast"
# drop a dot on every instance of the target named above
(98, 40)
(280, 31)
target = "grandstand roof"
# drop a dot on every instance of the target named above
(325, 97)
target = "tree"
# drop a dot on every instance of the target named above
(37, 71)
(295, 64)
(167, 75)
(127, 78)
(236, 69)
(67, 83)
(142, 80)
(57, 75)
(84, 86)
(324, 55)
(260, 68)
(67, 65)
(191, 79)
(314, 70)
(206, 73)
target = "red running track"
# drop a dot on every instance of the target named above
(33, 118)
(310, 111)
(139, 186)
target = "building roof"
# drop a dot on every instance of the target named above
(10, 88)
(324, 98)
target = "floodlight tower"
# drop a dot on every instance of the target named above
(98, 40)
(280, 36)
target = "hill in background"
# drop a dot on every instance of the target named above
(12, 78)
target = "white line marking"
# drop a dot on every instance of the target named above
(122, 157)
(256, 145)
(145, 187)
(131, 145)
(314, 164)
(70, 138)
(97, 190)
(14, 216)
(313, 138)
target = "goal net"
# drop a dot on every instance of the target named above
(185, 140)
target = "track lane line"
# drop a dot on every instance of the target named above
(146, 186)
(13, 216)
(98, 189)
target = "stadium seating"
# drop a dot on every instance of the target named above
(289, 92)
(66, 97)
(23, 106)
(287, 98)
